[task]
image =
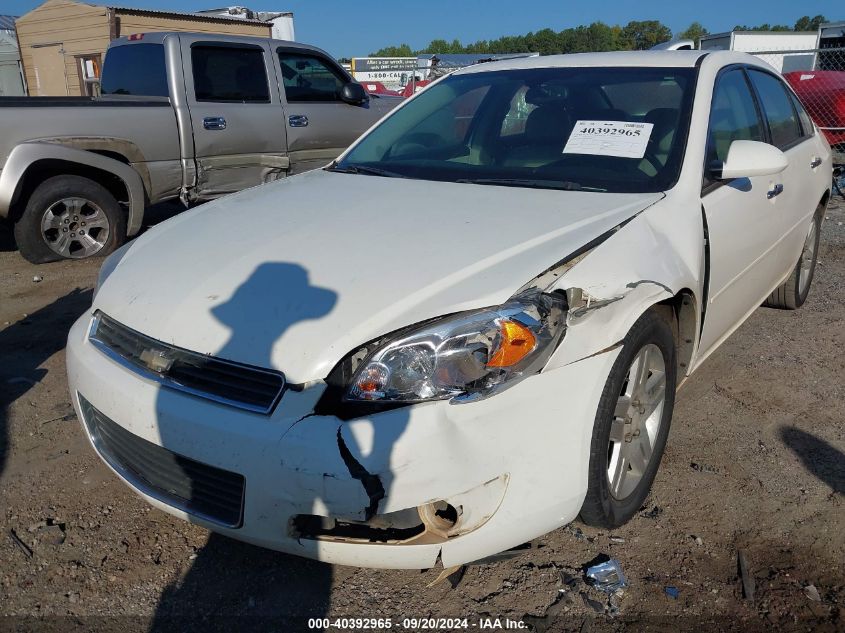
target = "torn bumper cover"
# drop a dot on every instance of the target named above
(396, 489)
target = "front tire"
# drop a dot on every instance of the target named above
(69, 217)
(632, 423)
(793, 292)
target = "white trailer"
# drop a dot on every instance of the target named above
(785, 50)
(281, 21)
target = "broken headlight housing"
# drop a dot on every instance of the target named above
(466, 356)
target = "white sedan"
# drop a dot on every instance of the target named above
(313, 367)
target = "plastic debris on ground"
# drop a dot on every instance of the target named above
(607, 577)
(672, 592)
(812, 593)
(655, 512)
(745, 575)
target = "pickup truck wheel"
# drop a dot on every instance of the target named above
(69, 217)
(632, 423)
(793, 292)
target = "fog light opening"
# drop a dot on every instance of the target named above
(440, 517)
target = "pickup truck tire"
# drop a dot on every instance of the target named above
(792, 293)
(69, 217)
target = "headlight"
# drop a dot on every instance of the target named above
(109, 264)
(467, 355)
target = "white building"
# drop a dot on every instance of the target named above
(282, 21)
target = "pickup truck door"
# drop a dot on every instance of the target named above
(236, 114)
(320, 125)
(745, 216)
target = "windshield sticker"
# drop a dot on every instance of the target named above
(609, 138)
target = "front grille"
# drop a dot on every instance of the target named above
(210, 493)
(235, 384)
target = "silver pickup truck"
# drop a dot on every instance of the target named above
(182, 115)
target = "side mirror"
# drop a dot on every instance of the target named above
(354, 93)
(752, 158)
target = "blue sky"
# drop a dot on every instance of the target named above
(349, 28)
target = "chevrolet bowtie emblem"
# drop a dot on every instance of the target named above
(156, 360)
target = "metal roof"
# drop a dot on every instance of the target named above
(7, 22)
(177, 14)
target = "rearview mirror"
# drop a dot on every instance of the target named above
(354, 93)
(752, 158)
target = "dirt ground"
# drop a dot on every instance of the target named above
(755, 462)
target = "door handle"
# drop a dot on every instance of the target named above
(776, 190)
(214, 123)
(815, 162)
(298, 120)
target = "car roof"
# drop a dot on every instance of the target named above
(650, 58)
(158, 37)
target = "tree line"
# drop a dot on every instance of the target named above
(598, 36)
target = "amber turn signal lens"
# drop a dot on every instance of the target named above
(517, 342)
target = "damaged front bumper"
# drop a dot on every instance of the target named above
(401, 489)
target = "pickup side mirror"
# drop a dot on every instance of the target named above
(751, 158)
(354, 93)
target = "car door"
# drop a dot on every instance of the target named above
(239, 139)
(744, 216)
(320, 125)
(786, 132)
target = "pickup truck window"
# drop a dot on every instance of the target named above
(309, 78)
(229, 74)
(135, 69)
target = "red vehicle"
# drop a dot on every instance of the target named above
(414, 86)
(378, 88)
(823, 94)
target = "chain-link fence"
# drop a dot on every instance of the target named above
(818, 78)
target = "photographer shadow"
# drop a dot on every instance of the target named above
(232, 585)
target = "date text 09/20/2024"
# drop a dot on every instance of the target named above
(415, 624)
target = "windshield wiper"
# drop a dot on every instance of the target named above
(366, 171)
(563, 185)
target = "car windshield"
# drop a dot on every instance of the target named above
(592, 129)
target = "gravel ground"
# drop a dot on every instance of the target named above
(755, 463)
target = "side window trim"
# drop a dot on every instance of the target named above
(789, 97)
(762, 119)
(230, 45)
(796, 103)
(329, 63)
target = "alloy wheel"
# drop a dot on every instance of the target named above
(636, 421)
(75, 227)
(808, 256)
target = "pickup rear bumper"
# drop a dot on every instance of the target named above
(27, 155)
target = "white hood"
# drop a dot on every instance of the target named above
(296, 274)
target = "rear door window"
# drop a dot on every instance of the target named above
(135, 69)
(230, 74)
(783, 122)
(806, 122)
